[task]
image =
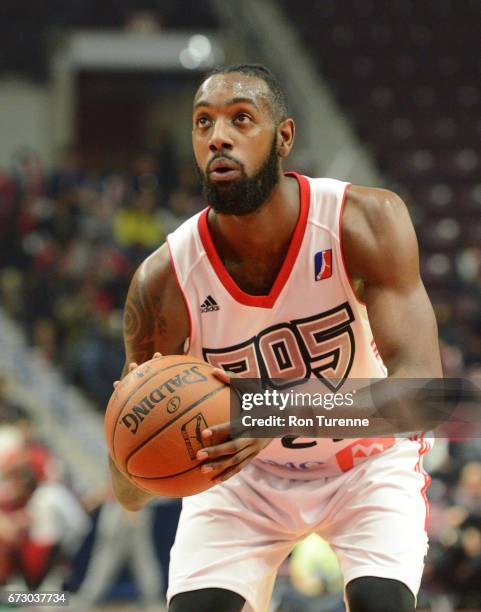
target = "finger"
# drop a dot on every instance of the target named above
(207, 438)
(217, 433)
(224, 461)
(239, 385)
(223, 375)
(206, 434)
(235, 469)
(222, 450)
(116, 383)
(157, 355)
(133, 366)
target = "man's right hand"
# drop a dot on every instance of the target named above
(132, 366)
(129, 495)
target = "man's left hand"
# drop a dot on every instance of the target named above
(225, 454)
(222, 452)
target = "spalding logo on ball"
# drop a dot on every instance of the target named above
(154, 422)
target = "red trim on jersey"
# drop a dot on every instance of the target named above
(341, 249)
(423, 448)
(261, 301)
(182, 293)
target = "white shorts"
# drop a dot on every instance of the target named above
(235, 535)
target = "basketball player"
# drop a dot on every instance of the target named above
(285, 275)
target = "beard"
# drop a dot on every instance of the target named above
(245, 195)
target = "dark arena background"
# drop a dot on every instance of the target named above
(96, 168)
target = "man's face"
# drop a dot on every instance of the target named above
(234, 141)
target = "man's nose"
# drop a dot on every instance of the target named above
(220, 138)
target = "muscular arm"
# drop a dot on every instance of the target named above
(381, 253)
(155, 320)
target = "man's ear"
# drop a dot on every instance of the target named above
(285, 137)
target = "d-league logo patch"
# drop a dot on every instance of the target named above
(323, 264)
(209, 305)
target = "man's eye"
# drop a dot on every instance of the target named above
(203, 122)
(242, 118)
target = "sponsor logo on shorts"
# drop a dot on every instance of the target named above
(360, 450)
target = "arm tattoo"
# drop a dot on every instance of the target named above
(143, 322)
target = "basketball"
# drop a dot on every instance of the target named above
(154, 421)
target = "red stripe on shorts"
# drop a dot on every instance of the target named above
(423, 449)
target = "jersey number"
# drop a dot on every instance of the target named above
(322, 345)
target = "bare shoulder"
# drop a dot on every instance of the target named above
(377, 234)
(377, 210)
(155, 316)
(155, 273)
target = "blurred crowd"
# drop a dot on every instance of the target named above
(70, 240)
(452, 577)
(42, 522)
(55, 537)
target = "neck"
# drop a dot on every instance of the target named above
(267, 230)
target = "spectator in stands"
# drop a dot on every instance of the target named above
(41, 521)
(457, 570)
(121, 538)
(138, 228)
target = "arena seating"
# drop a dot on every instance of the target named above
(406, 75)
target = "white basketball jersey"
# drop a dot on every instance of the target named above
(310, 325)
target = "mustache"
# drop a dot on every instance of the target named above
(222, 155)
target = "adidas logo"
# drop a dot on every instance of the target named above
(209, 305)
